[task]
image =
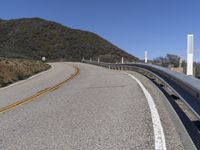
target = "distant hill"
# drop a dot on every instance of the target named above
(33, 38)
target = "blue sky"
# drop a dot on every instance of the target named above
(157, 26)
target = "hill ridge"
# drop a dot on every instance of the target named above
(33, 38)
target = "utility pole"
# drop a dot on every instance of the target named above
(190, 55)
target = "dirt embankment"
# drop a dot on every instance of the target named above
(12, 70)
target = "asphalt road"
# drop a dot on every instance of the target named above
(98, 109)
(23, 89)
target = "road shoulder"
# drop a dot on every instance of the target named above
(175, 133)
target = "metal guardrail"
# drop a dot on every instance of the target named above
(186, 88)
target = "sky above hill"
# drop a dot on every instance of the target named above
(157, 26)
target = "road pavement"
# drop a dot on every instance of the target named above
(98, 109)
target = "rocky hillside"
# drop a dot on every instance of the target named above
(33, 38)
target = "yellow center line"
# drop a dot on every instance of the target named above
(39, 94)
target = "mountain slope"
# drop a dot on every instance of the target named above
(33, 38)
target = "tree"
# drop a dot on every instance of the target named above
(169, 59)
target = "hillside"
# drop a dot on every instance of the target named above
(33, 38)
(13, 70)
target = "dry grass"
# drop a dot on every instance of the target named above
(12, 70)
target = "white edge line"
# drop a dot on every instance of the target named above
(31, 77)
(159, 137)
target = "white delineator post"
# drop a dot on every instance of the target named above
(145, 57)
(98, 60)
(122, 60)
(43, 59)
(190, 55)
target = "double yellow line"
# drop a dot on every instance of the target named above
(39, 94)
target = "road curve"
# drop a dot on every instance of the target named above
(35, 84)
(99, 109)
